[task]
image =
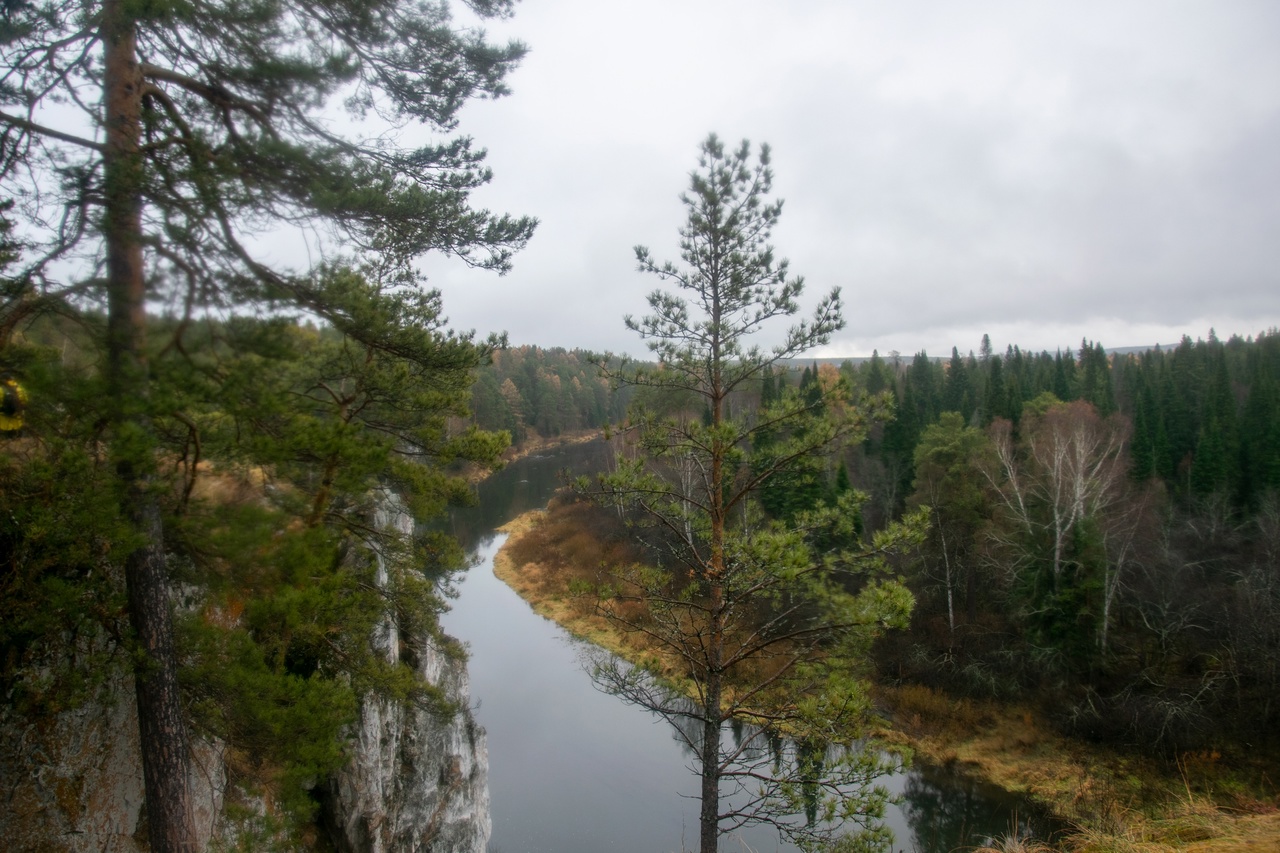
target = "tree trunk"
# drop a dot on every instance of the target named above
(949, 578)
(161, 724)
(971, 595)
(709, 816)
(709, 819)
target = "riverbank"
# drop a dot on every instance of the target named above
(546, 583)
(532, 445)
(1120, 803)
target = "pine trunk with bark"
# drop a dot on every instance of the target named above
(712, 720)
(161, 722)
(709, 817)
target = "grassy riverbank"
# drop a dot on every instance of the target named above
(532, 444)
(1120, 802)
(541, 559)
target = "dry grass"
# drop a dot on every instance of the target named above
(550, 555)
(557, 558)
(228, 486)
(1198, 828)
(1121, 803)
(915, 705)
(1010, 844)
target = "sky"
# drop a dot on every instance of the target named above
(1041, 172)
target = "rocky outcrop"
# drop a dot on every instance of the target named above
(73, 781)
(416, 783)
(418, 778)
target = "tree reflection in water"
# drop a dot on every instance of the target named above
(525, 816)
(812, 793)
(946, 810)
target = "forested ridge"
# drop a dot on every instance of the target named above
(1147, 614)
(547, 390)
(1104, 533)
(1158, 623)
(1202, 413)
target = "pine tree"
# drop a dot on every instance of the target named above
(200, 125)
(736, 593)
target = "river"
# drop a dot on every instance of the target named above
(574, 770)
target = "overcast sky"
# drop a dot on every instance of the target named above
(1039, 171)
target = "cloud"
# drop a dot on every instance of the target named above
(1045, 170)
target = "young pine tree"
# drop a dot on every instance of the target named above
(770, 630)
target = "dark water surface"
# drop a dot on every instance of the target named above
(574, 770)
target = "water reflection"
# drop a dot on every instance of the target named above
(945, 809)
(805, 789)
(574, 770)
(523, 485)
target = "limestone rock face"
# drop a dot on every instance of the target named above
(74, 782)
(418, 781)
(415, 782)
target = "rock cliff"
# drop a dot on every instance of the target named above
(417, 780)
(73, 781)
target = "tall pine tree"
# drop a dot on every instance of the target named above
(735, 596)
(154, 139)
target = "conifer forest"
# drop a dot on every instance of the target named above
(236, 421)
(1104, 526)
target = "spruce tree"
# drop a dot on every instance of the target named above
(1064, 369)
(1260, 437)
(997, 400)
(878, 376)
(956, 389)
